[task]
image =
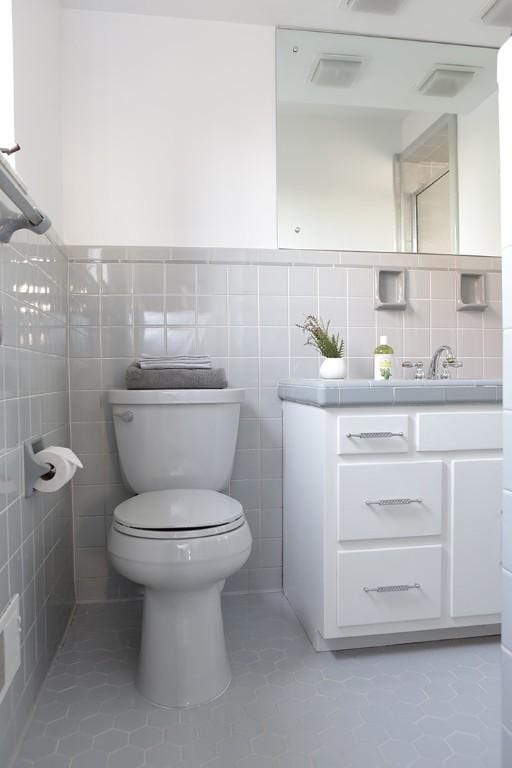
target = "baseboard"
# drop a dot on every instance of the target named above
(405, 638)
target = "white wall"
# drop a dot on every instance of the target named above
(169, 132)
(6, 75)
(37, 101)
(505, 106)
(335, 174)
(169, 139)
(416, 123)
(479, 173)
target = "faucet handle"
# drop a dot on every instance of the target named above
(419, 365)
(450, 362)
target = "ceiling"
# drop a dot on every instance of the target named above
(455, 21)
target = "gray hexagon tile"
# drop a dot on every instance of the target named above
(416, 706)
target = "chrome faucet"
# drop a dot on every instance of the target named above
(451, 361)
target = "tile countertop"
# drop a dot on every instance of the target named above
(325, 393)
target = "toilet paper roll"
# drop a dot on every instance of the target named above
(62, 465)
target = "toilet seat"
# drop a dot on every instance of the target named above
(183, 533)
(178, 514)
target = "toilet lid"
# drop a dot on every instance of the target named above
(178, 510)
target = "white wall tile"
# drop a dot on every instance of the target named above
(273, 369)
(84, 342)
(416, 343)
(212, 279)
(443, 314)
(417, 314)
(149, 310)
(148, 278)
(245, 317)
(180, 279)
(243, 310)
(273, 281)
(149, 340)
(304, 367)
(303, 281)
(332, 281)
(34, 379)
(85, 278)
(84, 309)
(418, 284)
(470, 343)
(243, 372)
(116, 278)
(274, 342)
(243, 279)
(361, 313)
(181, 341)
(360, 282)
(300, 307)
(212, 310)
(116, 310)
(213, 341)
(273, 310)
(243, 341)
(333, 310)
(443, 284)
(181, 310)
(117, 341)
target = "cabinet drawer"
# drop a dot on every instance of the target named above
(373, 434)
(395, 500)
(461, 431)
(408, 580)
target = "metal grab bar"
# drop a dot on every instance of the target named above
(374, 435)
(392, 502)
(31, 217)
(393, 588)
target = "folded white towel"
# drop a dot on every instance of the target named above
(148, 365)
(174, 357)
(169, 362)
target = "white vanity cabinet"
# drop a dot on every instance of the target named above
(392, 521)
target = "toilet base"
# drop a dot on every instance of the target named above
(183, 660)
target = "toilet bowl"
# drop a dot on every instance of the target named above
(179, 537)
(183, 660)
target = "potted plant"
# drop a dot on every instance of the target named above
(330, 346)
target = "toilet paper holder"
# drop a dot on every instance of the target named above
(33, 469)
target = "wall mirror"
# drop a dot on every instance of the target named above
(386, 145)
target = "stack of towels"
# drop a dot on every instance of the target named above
(175, 372)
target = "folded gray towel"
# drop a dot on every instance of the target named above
(136, 378)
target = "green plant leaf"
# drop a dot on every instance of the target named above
(318, 336)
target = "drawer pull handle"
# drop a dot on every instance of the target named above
(392, 502)
(374, 435)
(393, 588)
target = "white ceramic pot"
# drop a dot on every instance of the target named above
(333, 368)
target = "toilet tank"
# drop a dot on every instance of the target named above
(176, 438)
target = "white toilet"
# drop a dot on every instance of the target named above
(179, 537)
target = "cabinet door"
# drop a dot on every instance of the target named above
(476, 537)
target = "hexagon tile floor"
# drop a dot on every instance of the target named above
(424, 706)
